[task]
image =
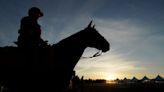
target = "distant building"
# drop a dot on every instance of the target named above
(134, 80)
(145, 79)
(159, 79)
(124, 81)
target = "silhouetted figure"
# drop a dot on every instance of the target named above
(75, 82)
(82, 84)
(30, 31)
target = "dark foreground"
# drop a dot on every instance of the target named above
(103, 87)
(121, 88)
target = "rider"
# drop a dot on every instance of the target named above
(30, 31)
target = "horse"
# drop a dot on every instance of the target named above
(47, 69)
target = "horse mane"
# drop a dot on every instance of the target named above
(71, 38)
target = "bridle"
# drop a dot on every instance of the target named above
(99, 53)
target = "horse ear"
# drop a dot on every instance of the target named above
(93, 26)
(90, 24)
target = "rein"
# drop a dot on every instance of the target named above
(99, 53)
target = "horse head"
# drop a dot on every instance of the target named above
(95, 39)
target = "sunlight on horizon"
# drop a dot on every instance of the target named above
(111, 77)
(110, 67)
(107, 66)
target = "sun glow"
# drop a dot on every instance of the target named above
(110, 77)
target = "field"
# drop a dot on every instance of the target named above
(102, 87)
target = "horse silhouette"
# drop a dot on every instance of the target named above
(50, 68)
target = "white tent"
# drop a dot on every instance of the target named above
(134, 79)
(145, 79)
(159, 78)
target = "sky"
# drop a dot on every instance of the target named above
(134, 28)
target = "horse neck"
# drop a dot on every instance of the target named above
(70, 50)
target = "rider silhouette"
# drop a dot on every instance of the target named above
(30, 31)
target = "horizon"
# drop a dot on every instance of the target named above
(121, 78)
(134, 28)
